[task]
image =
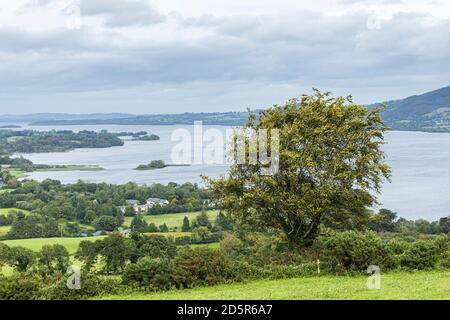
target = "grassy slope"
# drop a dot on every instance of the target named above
(173, 220)
(398, 285)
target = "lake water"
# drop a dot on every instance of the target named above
(420, 162)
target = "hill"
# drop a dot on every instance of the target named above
(426, 112)
(216, 118)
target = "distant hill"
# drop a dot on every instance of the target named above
(62, 116)
(216, 118)
(426, 112)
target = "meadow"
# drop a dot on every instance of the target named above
(396, 285)
(173, 220)
(36, 244)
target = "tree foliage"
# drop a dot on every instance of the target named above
(330, 168)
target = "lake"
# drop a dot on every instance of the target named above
(420, 162)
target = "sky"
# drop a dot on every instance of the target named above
(173, 56)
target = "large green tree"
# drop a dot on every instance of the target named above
(330, 167)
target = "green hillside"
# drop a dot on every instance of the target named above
(426, 112)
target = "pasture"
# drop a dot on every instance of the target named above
(397, 285)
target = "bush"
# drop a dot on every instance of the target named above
(182, 241)
(356, 251)
(202, 235)
(20, 287)
(202, 267)
(92, 285)
(421, 255)
(150, 274)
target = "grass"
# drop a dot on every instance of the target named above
(397, 285)
(5, 211)
(18, 174)
(36, 244)
(72, 243)
(173, 220)
(5, 190)
(4, 230)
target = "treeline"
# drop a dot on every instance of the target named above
(29, 141)
(387, 221)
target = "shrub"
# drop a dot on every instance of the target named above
(4, 254)
(20, 287)
(150, 274)
(353, 250)
(421, 255)
(202, 267)
(92, 285)
(182, 241)
(152, 228)
(202, 235)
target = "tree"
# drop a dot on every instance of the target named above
(138, 224)
(156, 246)
(152, 228)
(129, 211)
(106, 223)
(202, 235)
(328, 169)
(163, 228)
(116, 250)
(444, 224)
(54, 258)
(224, 222)
(88, 253)
(202, 220)
(21, 258)
(384, 221)
(186, 225)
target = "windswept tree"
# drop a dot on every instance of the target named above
(330, 168)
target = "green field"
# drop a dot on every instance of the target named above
(174, 220)
(36, 244)
(4, 230)
(397, 285)
(5, 211)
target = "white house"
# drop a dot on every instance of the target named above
(153, 201)
(142, 208)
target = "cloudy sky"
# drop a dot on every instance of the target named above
(139, 56)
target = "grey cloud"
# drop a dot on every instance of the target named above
(122, 13)
(307, 49)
